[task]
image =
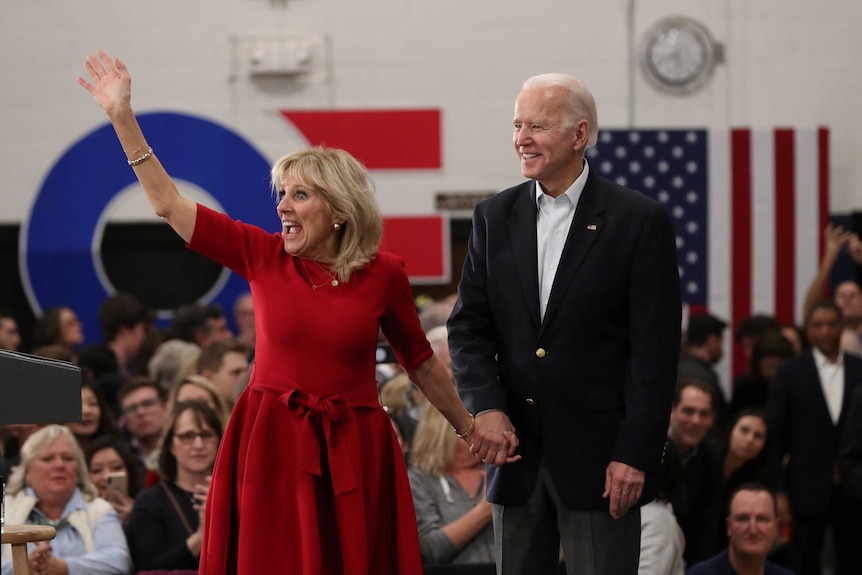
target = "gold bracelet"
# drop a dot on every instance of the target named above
(470, 428)
(142, 159)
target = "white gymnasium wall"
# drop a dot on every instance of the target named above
(788, 62)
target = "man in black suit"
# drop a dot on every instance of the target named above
(567, 330)
(807, 407)
(850, 458)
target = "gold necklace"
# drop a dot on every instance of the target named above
(333, 283)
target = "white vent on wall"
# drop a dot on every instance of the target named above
(297, 57)
(280, 57)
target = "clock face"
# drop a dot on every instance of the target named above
(678, 54)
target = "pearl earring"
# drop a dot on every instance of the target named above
(336, 226)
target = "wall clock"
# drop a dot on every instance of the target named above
(678, 54)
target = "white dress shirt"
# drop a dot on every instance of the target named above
(553, 219)
(831, 381)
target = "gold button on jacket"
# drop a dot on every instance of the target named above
(540, 352)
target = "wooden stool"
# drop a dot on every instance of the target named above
(19, 536)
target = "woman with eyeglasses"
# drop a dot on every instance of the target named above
(166, 528)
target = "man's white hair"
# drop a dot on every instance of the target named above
(580, 104)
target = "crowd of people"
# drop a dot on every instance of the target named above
(126, 486)
(792, 422)
(138, 464)
(156, 423)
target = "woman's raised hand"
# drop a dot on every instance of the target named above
(112, 85)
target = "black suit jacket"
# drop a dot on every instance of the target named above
(697, 504)
(593, 382)
(800, 427)
(850, 457)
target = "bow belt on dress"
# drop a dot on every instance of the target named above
(337, 421)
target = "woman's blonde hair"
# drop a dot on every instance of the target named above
(171, 362)
(344, 184)
(393, 394)
(34, 446)
(433, 447)
(221, 408)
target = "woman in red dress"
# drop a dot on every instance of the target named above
(309, 478)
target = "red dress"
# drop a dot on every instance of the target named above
(309, 478)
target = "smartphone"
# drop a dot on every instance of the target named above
(119, 482)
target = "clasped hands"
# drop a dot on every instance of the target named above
(43, 562)
(494, 440)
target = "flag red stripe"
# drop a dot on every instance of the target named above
(785, 225)
(741, 244)
(697, 309)
(380, 139)
(823, 193)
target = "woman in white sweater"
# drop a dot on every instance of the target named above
(51, 487)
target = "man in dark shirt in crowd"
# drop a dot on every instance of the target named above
(705, 347)
(752, 526)
(696, 503)
(144, 406)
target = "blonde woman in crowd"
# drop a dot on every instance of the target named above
(448, 485)
(199, 388)
(173, 360)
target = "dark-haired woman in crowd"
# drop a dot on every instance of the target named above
(58, 326)
(744, 456)
(111, 455)
(752, 388)
(96, 420)
(796, 336)
(166, 528)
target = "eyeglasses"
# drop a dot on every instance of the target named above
(189, 437)
(142, 405)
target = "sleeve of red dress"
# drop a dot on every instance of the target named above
(400, 322)
(238, 246)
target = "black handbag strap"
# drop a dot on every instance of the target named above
(179, 509)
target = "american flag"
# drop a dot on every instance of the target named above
(748, 208)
